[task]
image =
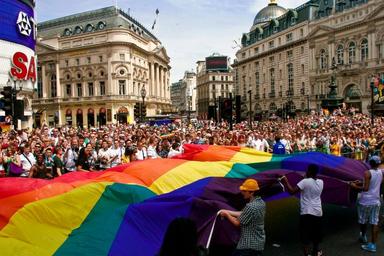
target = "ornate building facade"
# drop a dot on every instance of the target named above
(284, 63)
(95, 66)
(351, 35)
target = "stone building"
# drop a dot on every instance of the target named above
(95, 66)
(350, 33)
(272, 64)
(285, 60)
(214, 79)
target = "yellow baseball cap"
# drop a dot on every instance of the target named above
(250, 185)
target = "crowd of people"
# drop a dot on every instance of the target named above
(48, 152)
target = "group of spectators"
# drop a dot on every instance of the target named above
(48, 152)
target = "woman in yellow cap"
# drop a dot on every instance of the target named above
(250, 221)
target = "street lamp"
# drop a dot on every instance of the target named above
(143, 93)
(14, 93)
(374, 80)
(250, 109)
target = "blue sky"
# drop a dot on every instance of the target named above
(190, 30)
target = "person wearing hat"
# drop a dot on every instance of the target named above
(250, 220)
(311, 212)
(368, 206)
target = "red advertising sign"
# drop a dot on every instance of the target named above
(23, 68)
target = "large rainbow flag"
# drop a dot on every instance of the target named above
(126, 210)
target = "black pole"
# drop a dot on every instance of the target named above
(142, 110)
(250, 109)
(230, 119)
(13, 100)
(189, 110)
(372, 105)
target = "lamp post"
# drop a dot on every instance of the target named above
(143, 93)
(14, 93)
(250, 109)
(374, 80)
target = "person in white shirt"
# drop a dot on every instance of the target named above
(141, 153)
(27, 160)
(115, 154)
(311, 212)
(175, 150)
(103, 156)
(151, 151)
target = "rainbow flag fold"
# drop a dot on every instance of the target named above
(126, 210)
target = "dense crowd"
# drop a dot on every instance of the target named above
(50, 151)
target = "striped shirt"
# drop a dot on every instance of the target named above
(252, 226)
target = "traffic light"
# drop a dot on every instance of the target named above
(238, 108)
(136, 110)
(143, 111)
(226, 109)
(6, 100)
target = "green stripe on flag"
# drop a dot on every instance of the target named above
(97, 233)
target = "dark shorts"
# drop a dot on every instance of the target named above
(310, 229)
(246, 252)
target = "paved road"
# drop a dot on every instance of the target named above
(340, 231)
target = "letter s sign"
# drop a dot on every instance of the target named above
(22, 70)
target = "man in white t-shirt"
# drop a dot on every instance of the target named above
(311, 212)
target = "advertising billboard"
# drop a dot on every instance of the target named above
(378, 91)
(216, 63)
(18, 23)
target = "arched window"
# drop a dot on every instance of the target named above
(364, 49)
(340, 54)
(323, 59)
(53, 86)
(351, 52)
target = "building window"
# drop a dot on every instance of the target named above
(122, 56)
(271, 44)
(301, 32)
(351, 52)
(340, 55)
(222, 87)
(53, 86)
(79, 90)
(222, 78)
(90, 89)
(40, 88)
(102, 88)
(289, 54)
(89, 60)
(364, 49)
(213, 87)
(323, 59)
(100, 58)
(226, 78)
(290, 76)
(77, 62)
(272, 74)
(289, 37)
(66, 63)
(302, 49)
(256, 50)
(68, 89)
(272, 59)
(302, 68)
(121, 87)
(213, 78)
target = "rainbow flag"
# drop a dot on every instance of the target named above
(126, 210)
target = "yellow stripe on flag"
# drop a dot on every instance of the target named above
(249, 155)
(41, 227)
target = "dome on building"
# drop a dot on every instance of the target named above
(268, 13)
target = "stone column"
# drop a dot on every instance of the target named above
(109, 71)
(44, 81)
(152, 88)
(58, 84)
(157, 82)
(161, 73)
